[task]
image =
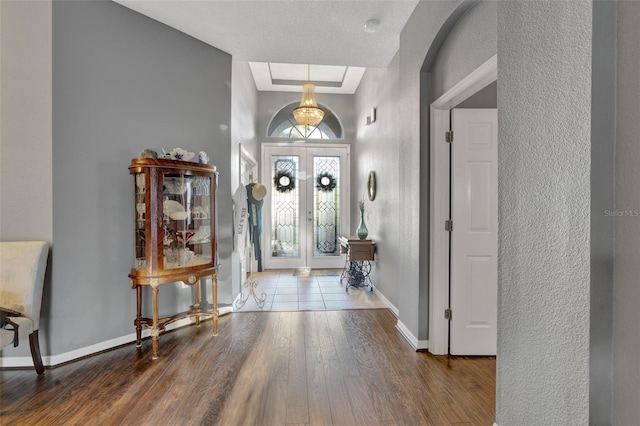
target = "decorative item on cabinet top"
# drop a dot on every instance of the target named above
(176, 154)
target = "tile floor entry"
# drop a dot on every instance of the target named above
(307, 290)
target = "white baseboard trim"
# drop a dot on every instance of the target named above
(416, 344)
(390, 305)
(224, 310)
(54, 360)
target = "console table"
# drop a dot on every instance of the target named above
(357, 267)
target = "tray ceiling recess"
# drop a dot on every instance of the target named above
(277, 77)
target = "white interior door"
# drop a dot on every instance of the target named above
(474, 238)
(306, 208)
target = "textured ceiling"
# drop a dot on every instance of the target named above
(325, 32)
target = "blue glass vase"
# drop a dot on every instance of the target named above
(362, 231)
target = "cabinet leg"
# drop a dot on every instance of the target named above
(196, 303)
(155, 331)
(154, 342)
(214, 298)
(138, 321)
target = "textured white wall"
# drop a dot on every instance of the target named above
(626, 302)
(26, 191)
(544, 102)
(469, 44)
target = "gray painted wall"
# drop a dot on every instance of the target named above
(391, 147)
(26, 199)
(25, 114)
(544, 102)
(603, 131)
(375, 148)
(121, 83)
(626, 300)
(485, 98)
(415, 41)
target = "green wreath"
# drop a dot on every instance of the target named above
(325, 182)
(284, 181)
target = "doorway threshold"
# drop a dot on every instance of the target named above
(302, 272)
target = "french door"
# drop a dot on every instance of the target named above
(307, 205)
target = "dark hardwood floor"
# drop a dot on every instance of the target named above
(263, 368)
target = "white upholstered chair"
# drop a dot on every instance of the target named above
(22, 268)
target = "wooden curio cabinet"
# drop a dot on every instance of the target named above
(175, 237)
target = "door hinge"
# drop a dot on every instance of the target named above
(448, 225)
(447, 314)
(448, 136)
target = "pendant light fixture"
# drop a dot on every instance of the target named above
(308, 112)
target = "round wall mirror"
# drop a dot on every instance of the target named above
(371, 185)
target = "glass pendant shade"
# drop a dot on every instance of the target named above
(308, 112)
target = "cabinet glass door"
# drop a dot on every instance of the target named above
(140, 237)
(186, 213)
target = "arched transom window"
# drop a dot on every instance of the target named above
(283, 125)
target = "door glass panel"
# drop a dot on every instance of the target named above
(326, 206)
(285, 211)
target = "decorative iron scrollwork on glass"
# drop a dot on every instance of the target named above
(285, 225)
(326, 205)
